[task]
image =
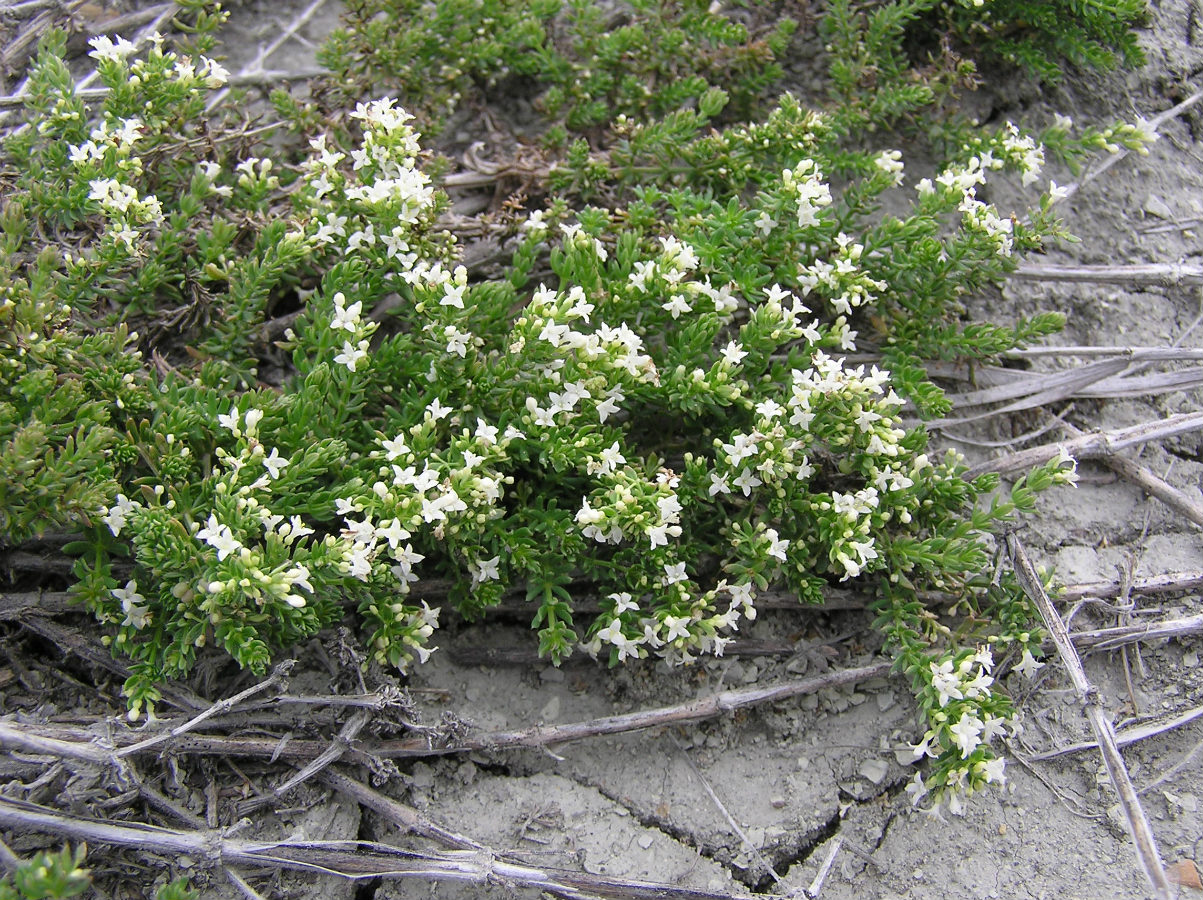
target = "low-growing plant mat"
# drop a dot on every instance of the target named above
(779, 769)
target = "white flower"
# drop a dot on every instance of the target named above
(485, 570)
(923, 748)
(298, 576)
(890, 162)
(607, 461)
(352, 355)
(765, 223)
(993, 769)
(437, 410)
(917, 790)
(965, 732)
(219, 537)
(104, 48)
(394, 448)
(677, 305)
(1070, 475)
(746, 481)
(778, 546)
(345, 317)
(678, 627)
(733, 353)
(623, 602)
(393, 533)
(457, 341)
(674, 573)
(486, 433)
(612, 634)
(133, 605)
(718, 484)
(1056, 192)
(214, 74)
(1028, 665)
(116, 515)
(945, 682)
(274, 463)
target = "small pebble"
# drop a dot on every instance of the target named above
(1155, 206)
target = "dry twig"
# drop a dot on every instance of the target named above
(1138, 824)
(352, 860)
(1164, 274)
(1092, 445)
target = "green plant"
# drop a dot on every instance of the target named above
(47, 876)
(583, 64)
(651, 399)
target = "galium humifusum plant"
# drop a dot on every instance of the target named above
(655, 399)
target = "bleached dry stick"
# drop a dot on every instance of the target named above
(406, 818)
(1092, 445)
(279, 675)
(1129, 735)
(337, 749)
(1138, 824)
(352, 860)
(536, 736)
(1164, 274)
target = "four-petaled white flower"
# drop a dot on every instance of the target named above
(133, 605)
(677, 627)
(1028, 665)
(485, 570)
(220, 537)
(673, 573)
(746, 481)
(966, 733)
(351, 355)
(275, 463)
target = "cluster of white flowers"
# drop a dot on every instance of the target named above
(842, 282)
(110, 147)
(805, 183)
(890, 162)
(181, 69)
(670, 274)
(676, 637)
(386, 192)
(962, 691)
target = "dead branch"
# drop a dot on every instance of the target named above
(406, 818)
(353, 860)
(1163, 274)
(1157, 487)
(1110, 638)
(1138, 825)
(1128, 735)
(366, 752)
(1092, 445)
(278, 676)
(337, 749)
(1170, 582)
